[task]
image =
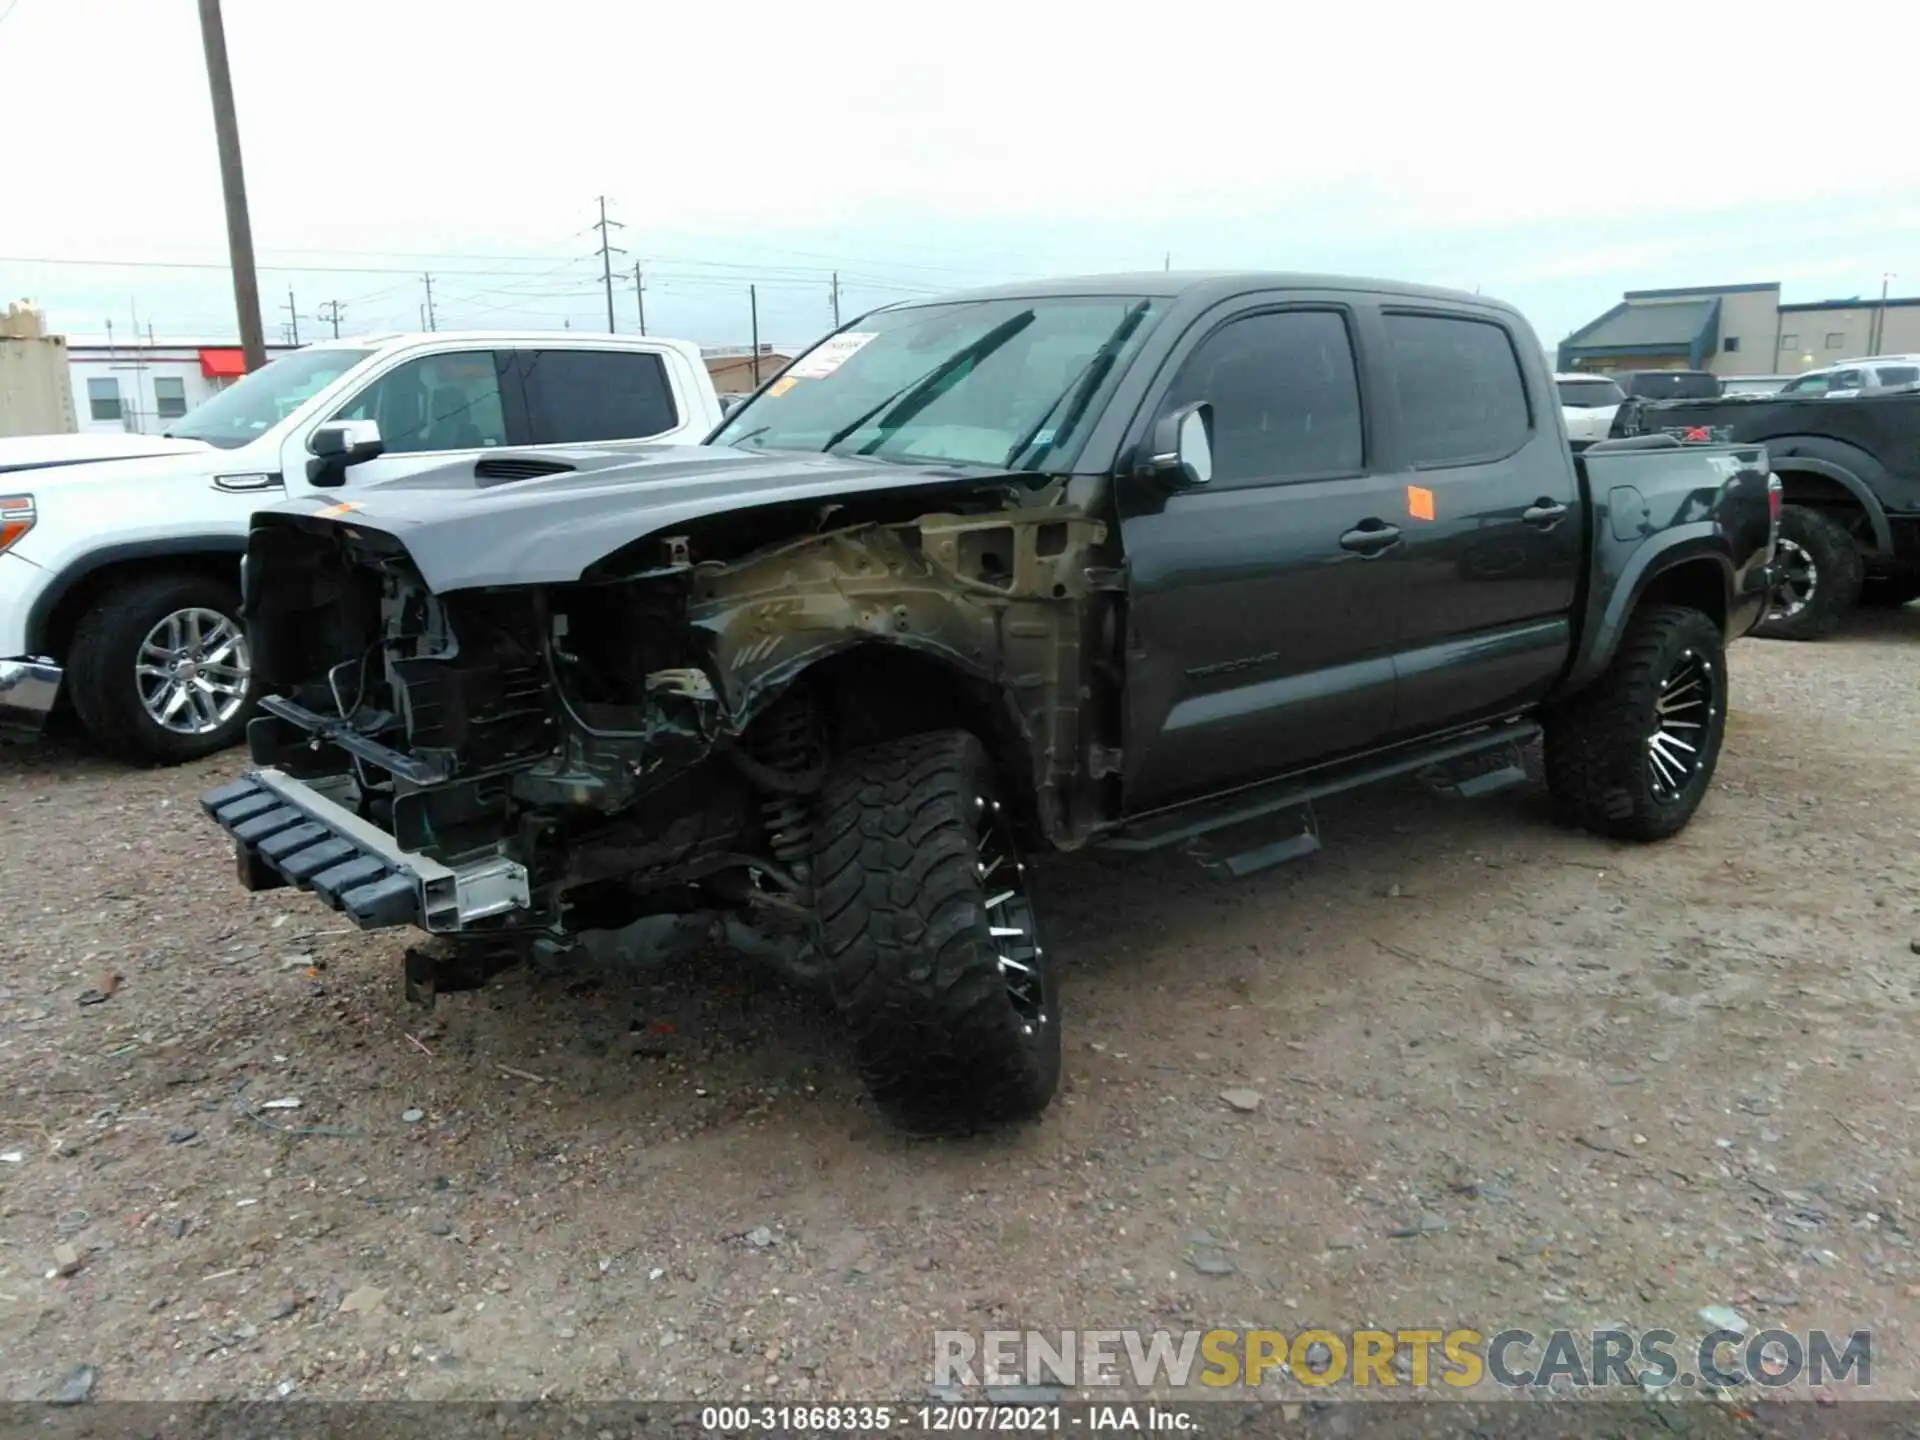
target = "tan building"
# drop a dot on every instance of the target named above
(1739, 330)
(734, 374)
(34, 395)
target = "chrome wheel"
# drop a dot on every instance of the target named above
(1682, 715)
(1798, 576)
(1010, 922)
(193, 671)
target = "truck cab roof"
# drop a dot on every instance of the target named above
(1201, 288)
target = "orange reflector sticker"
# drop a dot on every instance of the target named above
(781, 386)
(345, 507)
(1419, 503)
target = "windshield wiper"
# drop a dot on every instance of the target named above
(1080, 389)
(903, 405)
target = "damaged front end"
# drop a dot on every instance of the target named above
(515, 767)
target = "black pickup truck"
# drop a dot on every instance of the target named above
(1139, 561)
(1850, 471)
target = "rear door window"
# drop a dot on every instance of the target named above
(578, 396)
(1899, 374)
(1462, 395)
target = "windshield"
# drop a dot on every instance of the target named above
(248, 408)
(1589, 394)
(1007, 383)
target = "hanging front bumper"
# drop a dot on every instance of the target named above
(286, 832)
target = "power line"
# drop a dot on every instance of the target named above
(607, 252)
(791, 272)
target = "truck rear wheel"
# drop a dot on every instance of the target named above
(928, 929)
(1820, 576)
(159, 670)
(1631, 756)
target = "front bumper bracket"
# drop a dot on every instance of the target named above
(289, 833)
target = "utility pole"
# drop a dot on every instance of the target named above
(640, 295)
(1880, 319)
(836, 299)
(330, 313)
(1167, 263)
(426, 310)
(293, 316)
(233, 185)
(753, 304)
(607, 252)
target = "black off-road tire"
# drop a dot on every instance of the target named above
(100, 677)
(939, 1038)
(1839, 571)
(1599, 771)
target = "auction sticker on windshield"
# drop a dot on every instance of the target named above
(831, 355)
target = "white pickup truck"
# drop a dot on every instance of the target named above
(119, 593)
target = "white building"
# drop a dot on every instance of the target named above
(143, 389)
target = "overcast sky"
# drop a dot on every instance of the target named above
(1549, 155)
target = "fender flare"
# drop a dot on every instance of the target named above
(1665, 551)
(1846, 465)
(174, 547)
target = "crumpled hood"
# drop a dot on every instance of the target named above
(465, 528)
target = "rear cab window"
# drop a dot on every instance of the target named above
(1673, 385)
(1897, 375)
(1589, 394)
(1461, 393)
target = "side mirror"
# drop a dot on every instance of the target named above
(338, 445)
(731, 403)
(1180, 454)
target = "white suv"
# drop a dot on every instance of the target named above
(1588, 402)
(1854, 377)
(119, 590)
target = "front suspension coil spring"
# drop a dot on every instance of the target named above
(787, 740)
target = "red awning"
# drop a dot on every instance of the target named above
(218, 364)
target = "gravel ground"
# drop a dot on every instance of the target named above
(1508, 1075)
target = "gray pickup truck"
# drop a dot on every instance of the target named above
(1138, 561)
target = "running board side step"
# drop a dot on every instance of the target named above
(1438, 764)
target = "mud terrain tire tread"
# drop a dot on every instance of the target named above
(100, 661)
(1596, 742)
(903, 925)
(1841, 574)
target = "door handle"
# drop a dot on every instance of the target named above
(1545, 513)
(1370, 537)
